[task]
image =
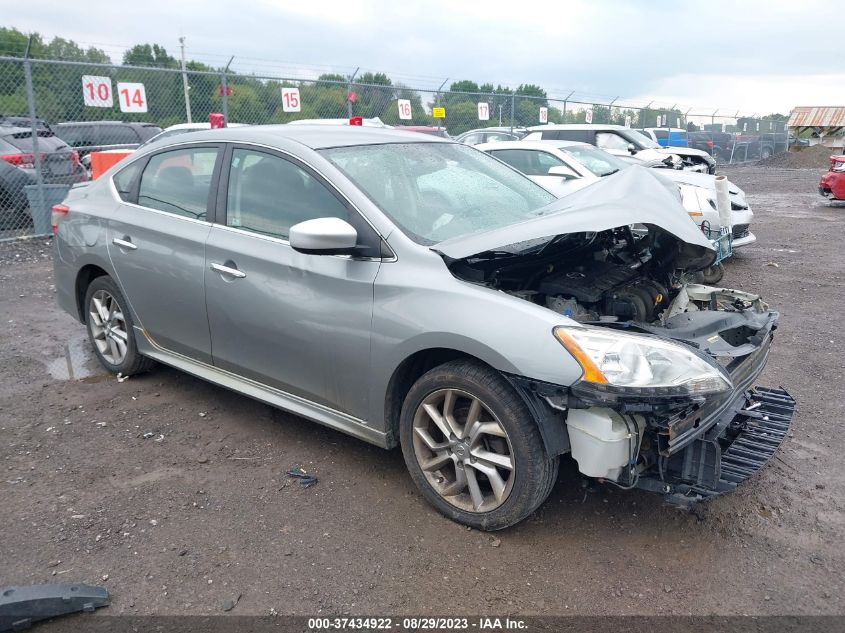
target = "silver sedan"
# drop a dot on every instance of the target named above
(413, 291)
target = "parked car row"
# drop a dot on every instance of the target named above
(19, 160)
(416, 292)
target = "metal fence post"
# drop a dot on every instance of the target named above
(30, 100)
(224, 97)
(513, 103)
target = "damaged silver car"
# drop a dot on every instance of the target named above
(416, 292)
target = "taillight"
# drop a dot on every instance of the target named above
(24, 161)
(74, 158)
(59, 212)
(710, 144)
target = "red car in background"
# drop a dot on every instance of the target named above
(832, 184)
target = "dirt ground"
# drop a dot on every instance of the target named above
(172, 492)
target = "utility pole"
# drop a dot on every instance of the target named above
(185, 85)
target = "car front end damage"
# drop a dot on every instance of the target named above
(666, 401)
(689, 447)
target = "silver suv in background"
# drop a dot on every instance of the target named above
(414, 291)
(623, 141)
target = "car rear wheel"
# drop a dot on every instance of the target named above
(473, 448)
(110, 329)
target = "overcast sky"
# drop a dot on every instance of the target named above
(757, 56)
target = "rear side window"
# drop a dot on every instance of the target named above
(582, 136)
(124, 180)
(77, 135)
(179, 182)
(660, 135)
(118, 135)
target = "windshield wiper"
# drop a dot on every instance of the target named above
(609, 173)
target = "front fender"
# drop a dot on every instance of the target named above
(420, 306)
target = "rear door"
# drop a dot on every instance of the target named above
(289, 320)
(157, 245)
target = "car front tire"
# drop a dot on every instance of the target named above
(110, 329)
(473, 448)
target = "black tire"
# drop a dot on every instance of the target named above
(713, 274)
(133, 362)
(534, 473)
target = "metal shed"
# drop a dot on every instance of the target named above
(823, 125)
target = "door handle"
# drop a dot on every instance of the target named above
(232, 272)
(127, 244)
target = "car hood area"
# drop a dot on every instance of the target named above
(633, 196)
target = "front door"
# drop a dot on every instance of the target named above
(157, 247)
(297, 322)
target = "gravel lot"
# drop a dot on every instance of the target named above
(201, 511)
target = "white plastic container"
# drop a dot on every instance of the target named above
(600, 441)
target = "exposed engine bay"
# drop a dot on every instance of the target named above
(641, 279)
(622, 275)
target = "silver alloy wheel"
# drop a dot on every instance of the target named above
(108, 327)
(463, 450)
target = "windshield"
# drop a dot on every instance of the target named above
(598, 162)
(438, 191)
(641, 139)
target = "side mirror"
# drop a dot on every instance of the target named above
(563, 172)
(323, 236)
(632, 149)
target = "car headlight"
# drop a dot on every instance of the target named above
(640, 363)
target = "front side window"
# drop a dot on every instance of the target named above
(528, 161)
(438, 191)
(268, 194)
(597, 161)
(179, 182)
(611, 141)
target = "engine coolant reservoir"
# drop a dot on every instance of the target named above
(601, 443)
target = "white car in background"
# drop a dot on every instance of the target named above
(183, 128)
(623, 141)
(561, 165)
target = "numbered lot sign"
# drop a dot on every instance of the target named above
(627, 120)
(677, 122)
(544, 115)
(405, 112)
(131, 97)
(588, 116)
(483, 111)
(290, 100)
(663, 117)
(96, 91)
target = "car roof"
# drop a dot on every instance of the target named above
(536, 145)
(577, 126)
(313, 136)
(671, 129)
(69, 123)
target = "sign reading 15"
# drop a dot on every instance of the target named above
(290, 100)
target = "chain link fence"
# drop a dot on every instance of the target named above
(60, 119)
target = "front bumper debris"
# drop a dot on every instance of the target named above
(728, 454)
